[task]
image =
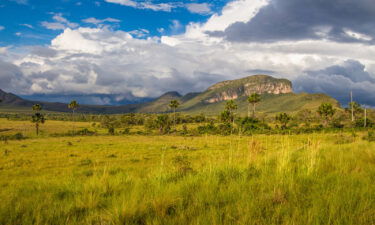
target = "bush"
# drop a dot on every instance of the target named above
(225, 129)
(85, 132)
(207, 129)
(370, 136)
(126, 131)
(111, 130)
(361, 123)
(17, 136)
(250, 125)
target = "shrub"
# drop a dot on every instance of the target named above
(17, 136)
(370, 136)
(225, 129)
(250, 125)
(207, 129)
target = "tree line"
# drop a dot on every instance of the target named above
(228, 122)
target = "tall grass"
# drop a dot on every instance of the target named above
(299, 179)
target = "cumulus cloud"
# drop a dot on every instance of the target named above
(2, 28)
(336, 20)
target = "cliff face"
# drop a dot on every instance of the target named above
(260, 84)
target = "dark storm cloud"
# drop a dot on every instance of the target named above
(12, 78)
(307, 19)
(337, 81)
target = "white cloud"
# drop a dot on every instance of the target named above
(3, 50)
(27, 25)
(358, 36)
(2, 28)
(95, 21)
(146, 5)
(141, 33)
(200, 8)
(235, 11)
(53, 25)
(60, 23)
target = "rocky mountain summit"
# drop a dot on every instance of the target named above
(260, 84)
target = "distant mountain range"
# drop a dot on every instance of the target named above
(89, 99)
(276, 94)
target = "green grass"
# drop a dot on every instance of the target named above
(299, 179)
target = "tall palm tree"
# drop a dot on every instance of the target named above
(253, 99)
(73, 105)
(37, 118)
(174, 105)
(231, 106)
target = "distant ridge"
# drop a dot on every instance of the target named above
(277, 96)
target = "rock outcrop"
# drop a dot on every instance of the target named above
(261, 84)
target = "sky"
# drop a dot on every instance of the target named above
(145, 48)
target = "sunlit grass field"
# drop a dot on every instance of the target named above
(261, 179)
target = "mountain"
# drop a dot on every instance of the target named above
(276, 94)
(160, 104)
(233, 89)
(89, 99)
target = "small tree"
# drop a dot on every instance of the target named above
(356, 108)
(37, 118)
(253, 99)
(326, 111)
(174, 105)
(283, 119)
(163, 123)
(110, 122)
(73, 106)
(228, 115)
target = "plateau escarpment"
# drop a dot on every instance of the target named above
(260, 84)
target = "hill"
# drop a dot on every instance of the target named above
(276, 95)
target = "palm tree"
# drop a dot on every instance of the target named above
(37, 118)
(230, 107)
(326, 111)
(73, 106)
(253, 99)
(174, 105)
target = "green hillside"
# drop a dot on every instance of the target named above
(270, 104)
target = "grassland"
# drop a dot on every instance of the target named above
(279, 179)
